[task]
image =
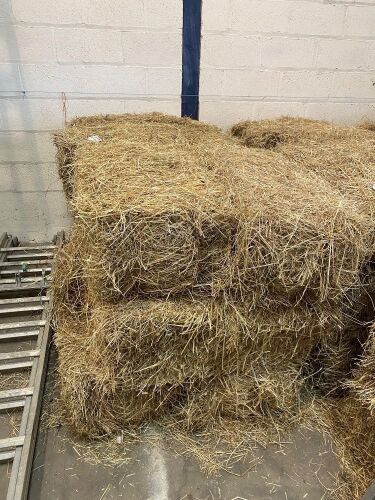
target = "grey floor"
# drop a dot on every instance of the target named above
(303, 472)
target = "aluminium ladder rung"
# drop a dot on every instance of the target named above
(12, 272)
(12, 310)
(12, 442)
(22, 324)
(33, 279)
(7, 356)
(18, 335)
(29, 256)
(31, 247)
(21, 365)
(21, 300)
(26, 262)
(12, 405)
(25, 287)
(5, 456)
(16, 393)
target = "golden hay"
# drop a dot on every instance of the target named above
(169, 205)
(343, 156)
(208, 287)
(351, 428)
(362, 384)
(244, 363)
(367, 126)
(269, 134)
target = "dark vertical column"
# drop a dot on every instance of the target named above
(191, 52)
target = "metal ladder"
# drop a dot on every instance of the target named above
(24, 284)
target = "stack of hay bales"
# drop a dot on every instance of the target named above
(345, 158)
(200, 276)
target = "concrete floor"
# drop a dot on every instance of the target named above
(303, 472)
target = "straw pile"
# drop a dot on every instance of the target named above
(206, 282)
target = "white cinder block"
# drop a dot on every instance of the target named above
(250, 83)
(49, 11)
(10, 77)
(306, 84)
(5, 12)
(260, 16)
(367, 2)
(85, 107)
(25, 207)
(21, 43)
(269, 110)
(118, 13)
(230, 51)
(152, 48)
(226, 113)
(283, 52)
(164, 81)
(164, 14)
(29, 177)
(93, 79)
(211, 81)
(215, 17)
(315, 18)
(55, 206)
(342, 54)
(359, 85)
(346, 113)
(171, 107)
(30, 114)
(80, 45)
(360, 21)
(26, 217)
(26, 147)
(371, 56)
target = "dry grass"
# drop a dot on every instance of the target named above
(15, 380)
(351, 428)
(201, 214)
(368, 126)
(343, 156)
(363, 382)
(208, 288)
(196, 361)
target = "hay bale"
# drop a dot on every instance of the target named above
(343, 156)
(270, 134)
(173, 206)
(174, 354)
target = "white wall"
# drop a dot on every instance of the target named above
(106, 56)
(260, 58)
(265, 58)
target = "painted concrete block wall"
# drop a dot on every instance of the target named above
(266, 58)
(260, 58)
(60, 59)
